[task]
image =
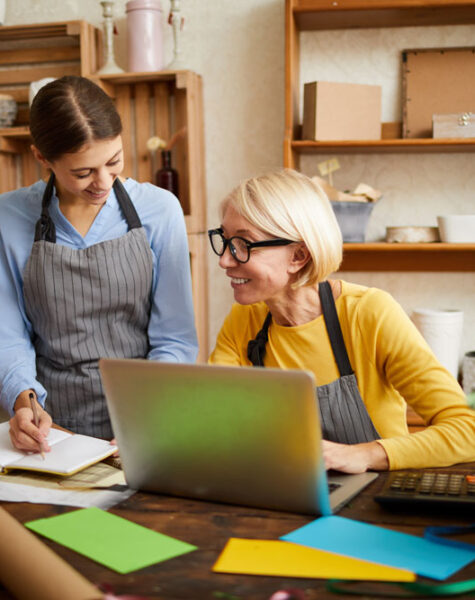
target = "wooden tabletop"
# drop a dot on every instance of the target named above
(209, 526)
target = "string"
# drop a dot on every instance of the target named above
(437, 533)
(409, 590)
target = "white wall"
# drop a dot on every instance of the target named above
(238, 47)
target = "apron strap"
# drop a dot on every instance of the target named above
(46, 230)
(256, 348)
(125, 203)
(333, 329)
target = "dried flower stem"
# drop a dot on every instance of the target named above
(175, 137)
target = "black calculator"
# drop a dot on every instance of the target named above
(428, 488)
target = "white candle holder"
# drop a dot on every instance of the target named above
(176, 21)
(110, 66)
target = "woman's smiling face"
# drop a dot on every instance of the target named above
(267, 274)
(89, 173)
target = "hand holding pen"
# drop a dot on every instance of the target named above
(36, 419)
(30, 426)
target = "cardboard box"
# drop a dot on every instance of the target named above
(391, 130)
(460, 125)
(341, 111)
(436, 81)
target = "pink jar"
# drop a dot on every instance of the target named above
(144, 35)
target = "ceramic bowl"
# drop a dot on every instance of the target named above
(412, 234)
(353, 219)
(457, 229)
(8, 110)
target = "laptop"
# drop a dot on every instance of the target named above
(239, 435)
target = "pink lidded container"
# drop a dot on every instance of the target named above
(144, 35)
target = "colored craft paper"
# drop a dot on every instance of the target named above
(284, 559)
(384, 546)
(110, 540)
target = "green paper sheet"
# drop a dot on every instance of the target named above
(110, 540)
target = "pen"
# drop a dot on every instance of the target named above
(36, 419)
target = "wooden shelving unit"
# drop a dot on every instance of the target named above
(314, 15)
(157, 103)
(403, 145)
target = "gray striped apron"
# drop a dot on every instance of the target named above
(343, 415)
(84, 305)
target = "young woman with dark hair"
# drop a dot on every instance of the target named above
(91, 266)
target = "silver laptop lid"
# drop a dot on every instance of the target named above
(231, 434)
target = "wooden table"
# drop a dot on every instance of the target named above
(209, 526)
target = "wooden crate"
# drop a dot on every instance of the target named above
(32, 52)
(198, 245)
(29, 53)
(160, 104)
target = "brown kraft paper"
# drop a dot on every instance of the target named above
(29, 569)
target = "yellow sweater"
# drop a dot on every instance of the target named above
(393, 365)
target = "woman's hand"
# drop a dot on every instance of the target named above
(114, 443)
(354, 458)
(23, 432)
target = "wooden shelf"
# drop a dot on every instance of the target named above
(313, 15)
(381, 256)
(21, 132)
(137, 77)
(384, 146)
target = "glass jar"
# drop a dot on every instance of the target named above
(144, 35)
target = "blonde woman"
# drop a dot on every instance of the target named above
(278, 243)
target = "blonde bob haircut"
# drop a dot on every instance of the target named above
(287, 204)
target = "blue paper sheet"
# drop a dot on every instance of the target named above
(383, 546)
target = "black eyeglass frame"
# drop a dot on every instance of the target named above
(249, 245)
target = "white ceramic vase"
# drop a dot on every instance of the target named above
(2, 11)
(442, 330)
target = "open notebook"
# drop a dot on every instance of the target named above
(69, 453)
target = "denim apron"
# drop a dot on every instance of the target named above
(86, 304)
(343, 415)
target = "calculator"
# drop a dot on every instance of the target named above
(428, 488)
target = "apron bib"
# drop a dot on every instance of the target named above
(85, 305)
(343, 414)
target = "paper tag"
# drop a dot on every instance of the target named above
(328, 166)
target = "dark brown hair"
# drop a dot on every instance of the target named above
(70, 112)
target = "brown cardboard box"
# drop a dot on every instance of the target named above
(436, 81)
(341, 111)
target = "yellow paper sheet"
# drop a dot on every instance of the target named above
(284, 559)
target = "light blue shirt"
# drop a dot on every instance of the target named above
(171, 329)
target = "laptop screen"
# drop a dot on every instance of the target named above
(230, 434)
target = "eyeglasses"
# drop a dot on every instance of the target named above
(239, 247)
